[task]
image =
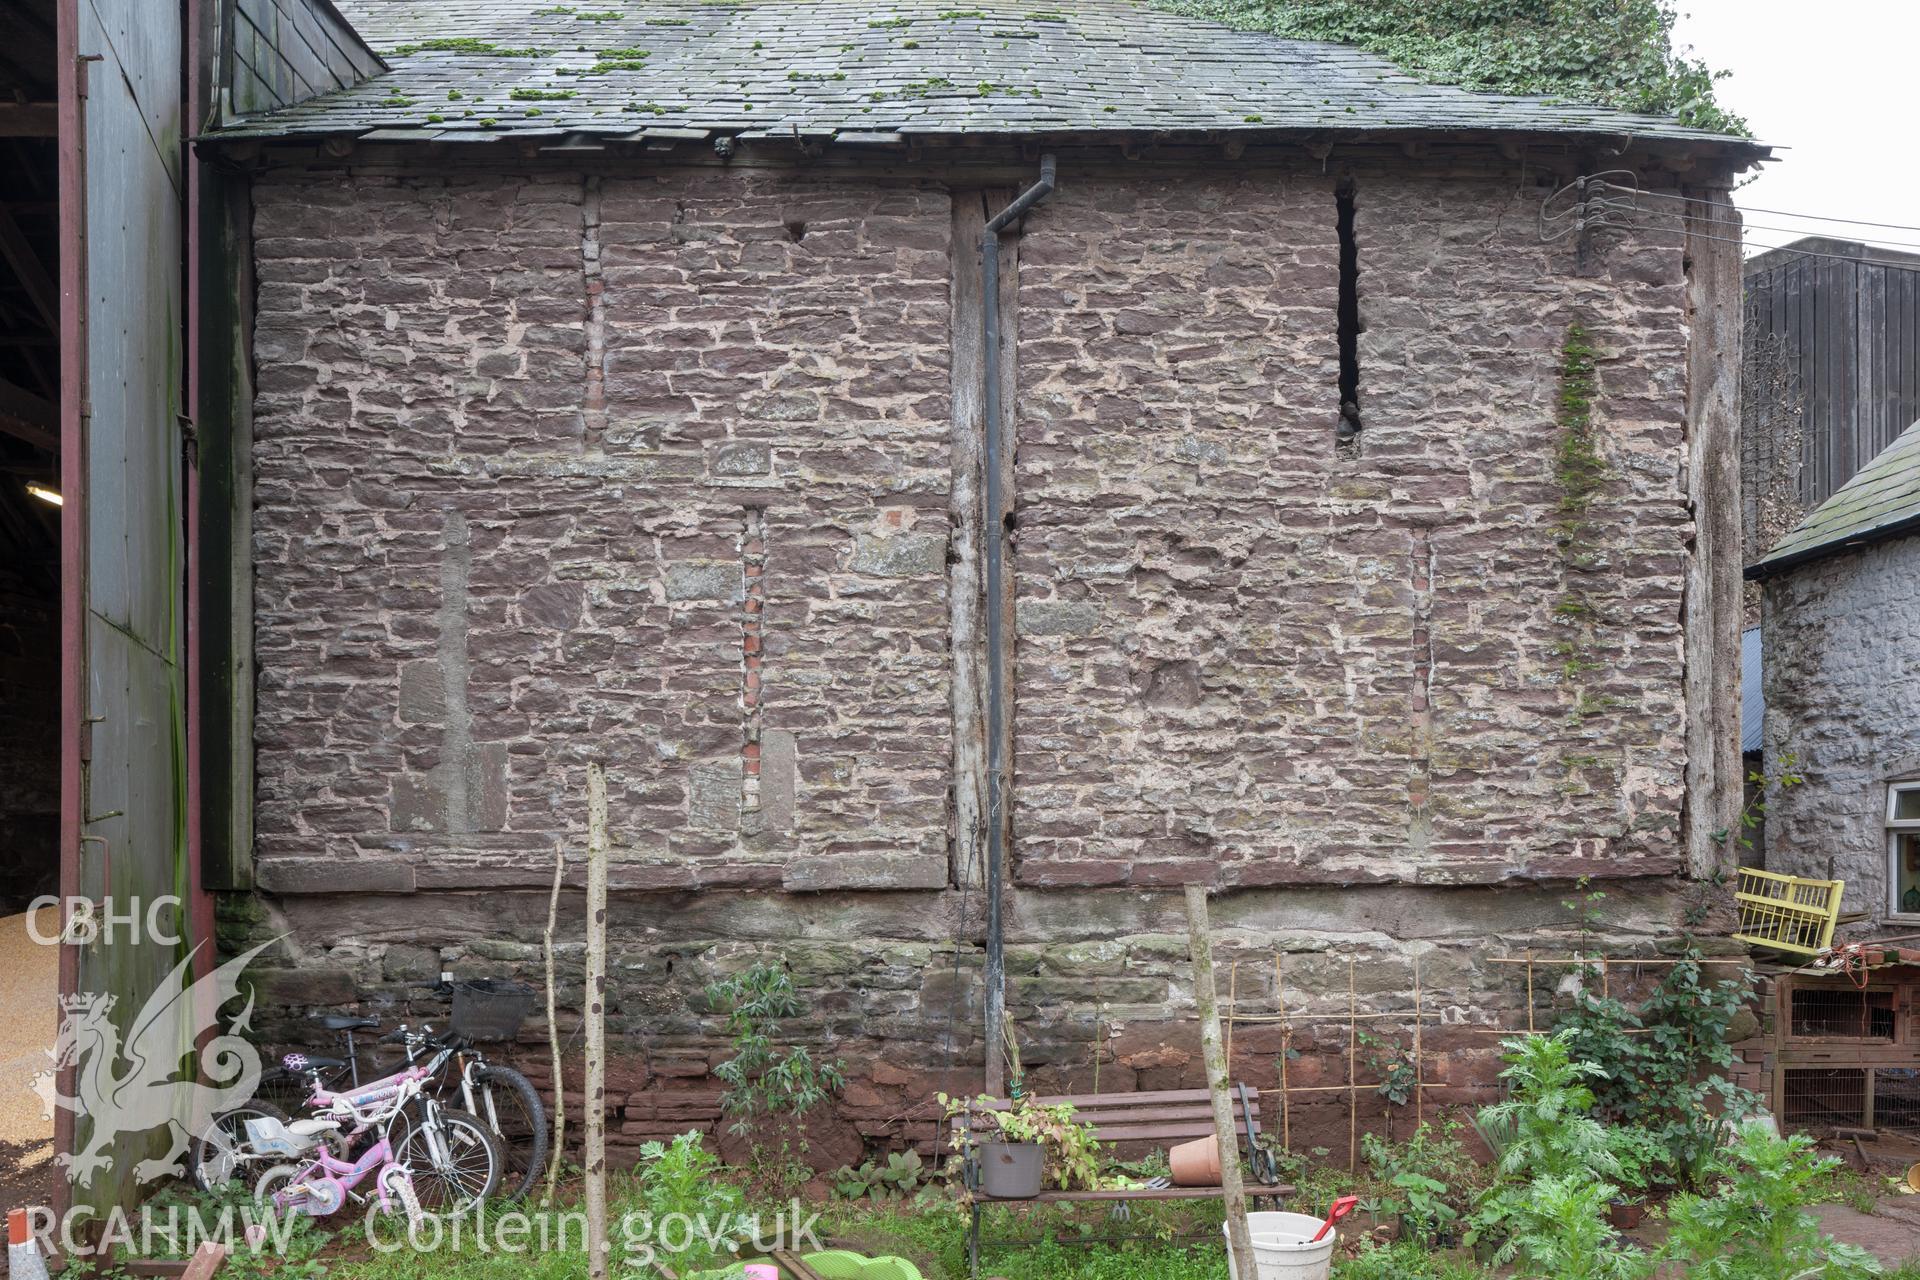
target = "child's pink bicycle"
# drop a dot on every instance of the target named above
(453, 1151)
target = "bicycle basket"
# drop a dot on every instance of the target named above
(490, 1008)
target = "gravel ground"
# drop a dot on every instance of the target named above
(29, 995)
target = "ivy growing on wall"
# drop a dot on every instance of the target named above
(1616, 53)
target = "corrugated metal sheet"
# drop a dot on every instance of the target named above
(1753, 702)
(282, 52)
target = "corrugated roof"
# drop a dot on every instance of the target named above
(1881, 501)
(774, 68)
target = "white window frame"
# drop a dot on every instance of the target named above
(1895, 828)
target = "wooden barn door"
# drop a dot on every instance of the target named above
(124, 775)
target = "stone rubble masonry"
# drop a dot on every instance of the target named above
(740, 589)
(891, 981)
(1306, 665)
(1843, 699)
(656, 470)
(1241, 655)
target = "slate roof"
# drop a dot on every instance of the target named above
(872, 70)
(1882, 501)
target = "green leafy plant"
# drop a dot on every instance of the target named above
(1754, 1226)
(1554, 1136)
(1663, 1067)
(1616, 53)
(1073, 1153)
(1404, 1260)
(1560, 1232)
(1761, 787)
(293, 1253)
(1642, 1158)
(770, 1090)
(683, 1177)
(1428, 1179)
(1425, 1213)
(897, 1177)
(1316, 1184)
(1393, 1064)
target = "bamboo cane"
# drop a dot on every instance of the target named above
(595, 1154)
(553, 1034)
(1286, 1048)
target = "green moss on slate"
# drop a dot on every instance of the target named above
(467, 44)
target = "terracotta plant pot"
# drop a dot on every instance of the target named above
(1196, 1163)
(1012, 1170)
(1626, 1215)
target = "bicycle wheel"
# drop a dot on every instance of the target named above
(453, 1158)
(510, 1106)
(220, 1153)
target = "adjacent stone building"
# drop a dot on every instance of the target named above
(1843, 689)
(1371, 541)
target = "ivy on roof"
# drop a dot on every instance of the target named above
(1614, 53)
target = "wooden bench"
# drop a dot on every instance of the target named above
(1130, 1123)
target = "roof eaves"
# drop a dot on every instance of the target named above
(1775, 565)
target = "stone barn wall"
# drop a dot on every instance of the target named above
(656, 469)
(1842, 689)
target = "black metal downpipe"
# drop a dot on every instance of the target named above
(995, 528)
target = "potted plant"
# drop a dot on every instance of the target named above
(1641, 1158)
(1020, 1145)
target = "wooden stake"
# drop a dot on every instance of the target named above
(1353, 1075)
(595, 1154)
(1200, 944)
(553, 1034)
(1419, 1064)
(1233, 997)
(1529, 991)
(1286, 1047)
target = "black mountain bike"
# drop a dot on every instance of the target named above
(504, 1100)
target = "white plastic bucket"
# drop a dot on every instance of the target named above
(1281, 1248)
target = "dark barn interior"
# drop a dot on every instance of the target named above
(29, 456)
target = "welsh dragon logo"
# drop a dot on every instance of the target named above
(148, 1080)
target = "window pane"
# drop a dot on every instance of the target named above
(1906, 872)
(1906, 805)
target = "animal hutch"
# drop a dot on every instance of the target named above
(1848, 1052)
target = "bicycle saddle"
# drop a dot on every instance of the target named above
(310, 1062)
(310, 1127)
(346, 1022)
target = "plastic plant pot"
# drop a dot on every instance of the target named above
(1012, 1170)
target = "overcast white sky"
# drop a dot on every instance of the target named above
(1834, 85)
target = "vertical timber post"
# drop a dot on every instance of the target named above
(595, 1120)
(997, 464)
(1200, 944)
(1713, 599)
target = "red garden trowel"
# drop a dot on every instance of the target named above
(1340, 1209)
